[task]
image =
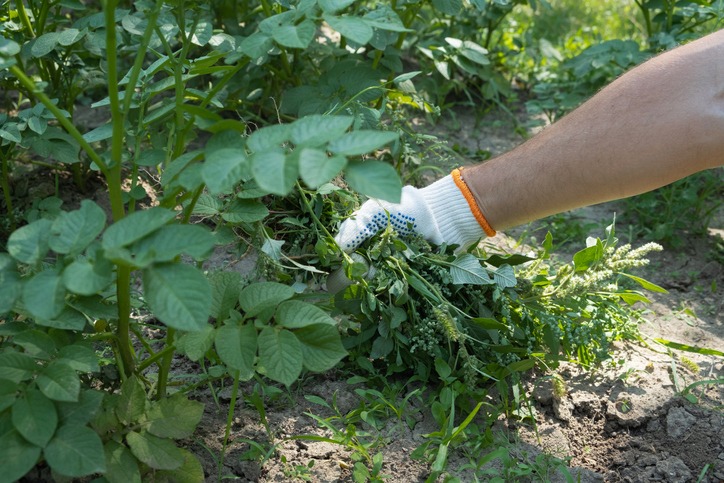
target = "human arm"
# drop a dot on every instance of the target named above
(658, 123)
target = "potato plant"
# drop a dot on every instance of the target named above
(257, 123)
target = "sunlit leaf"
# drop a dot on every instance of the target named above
(374, 179)
(179, 295)
(236, 346)
(280, 354)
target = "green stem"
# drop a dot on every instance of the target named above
(5, 183)
(165, 366)
(115, 192)
(24, 19)
(123, 294)
(317, 221)
(229, 418)
(190, 207)
(216, 89)
(155, 357)
(140, 56)
(43, 16)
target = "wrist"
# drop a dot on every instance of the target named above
(452, 213)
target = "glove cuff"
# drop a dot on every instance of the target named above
(452, 212)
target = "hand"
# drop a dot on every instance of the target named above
(440, 213)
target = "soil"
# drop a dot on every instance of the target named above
(628, 421)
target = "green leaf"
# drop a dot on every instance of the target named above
(56, 144)
(170, 241)
(75, 451)
(280, 354)
(244, 211)
(321, 346)
(73, 231)
(35, 343)
(207, 205)
(10, 282)
(297, 36)
(645, 283)
(58, 381)
(70, 36)
(69, 319)
(158, 453)
(236, 346)
(8, 48)
(504, 277)
(331, 6)
(179, 295)
(196, 344)
(466, 269)
(354, 28)
(225, 290)
(121, 465)
(317, 168)
(18, 455)
(263, 295)
(82, 411)
(151, 158)
(16, 366)
(174, 417)
(44, 295)
(135, 226)
(269, 137)
(10, 132)
(489, 323)
(101, 133)
(257, 45)
(294, 314)
(374, 179)
(44, 44)
(223, 169)
(203, 32)
(633, 297)
(190, 471)
(317, 130)
(29, 244)
(35, 417)
(585, 258)
(86, 277)
(361, 142)
(448, 7)
(131, 404)
(690, 348)
(178, 165)
(8, 393)
(38, 124)
(79, 357)
(274, 171)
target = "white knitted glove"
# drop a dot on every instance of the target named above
(439, 212)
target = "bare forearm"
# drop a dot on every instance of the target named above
(658, 123)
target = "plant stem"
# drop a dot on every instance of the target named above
(230, 417)
(5, 183)
(140, 56)
(115, 193)
(165, 366)
(24, 19)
